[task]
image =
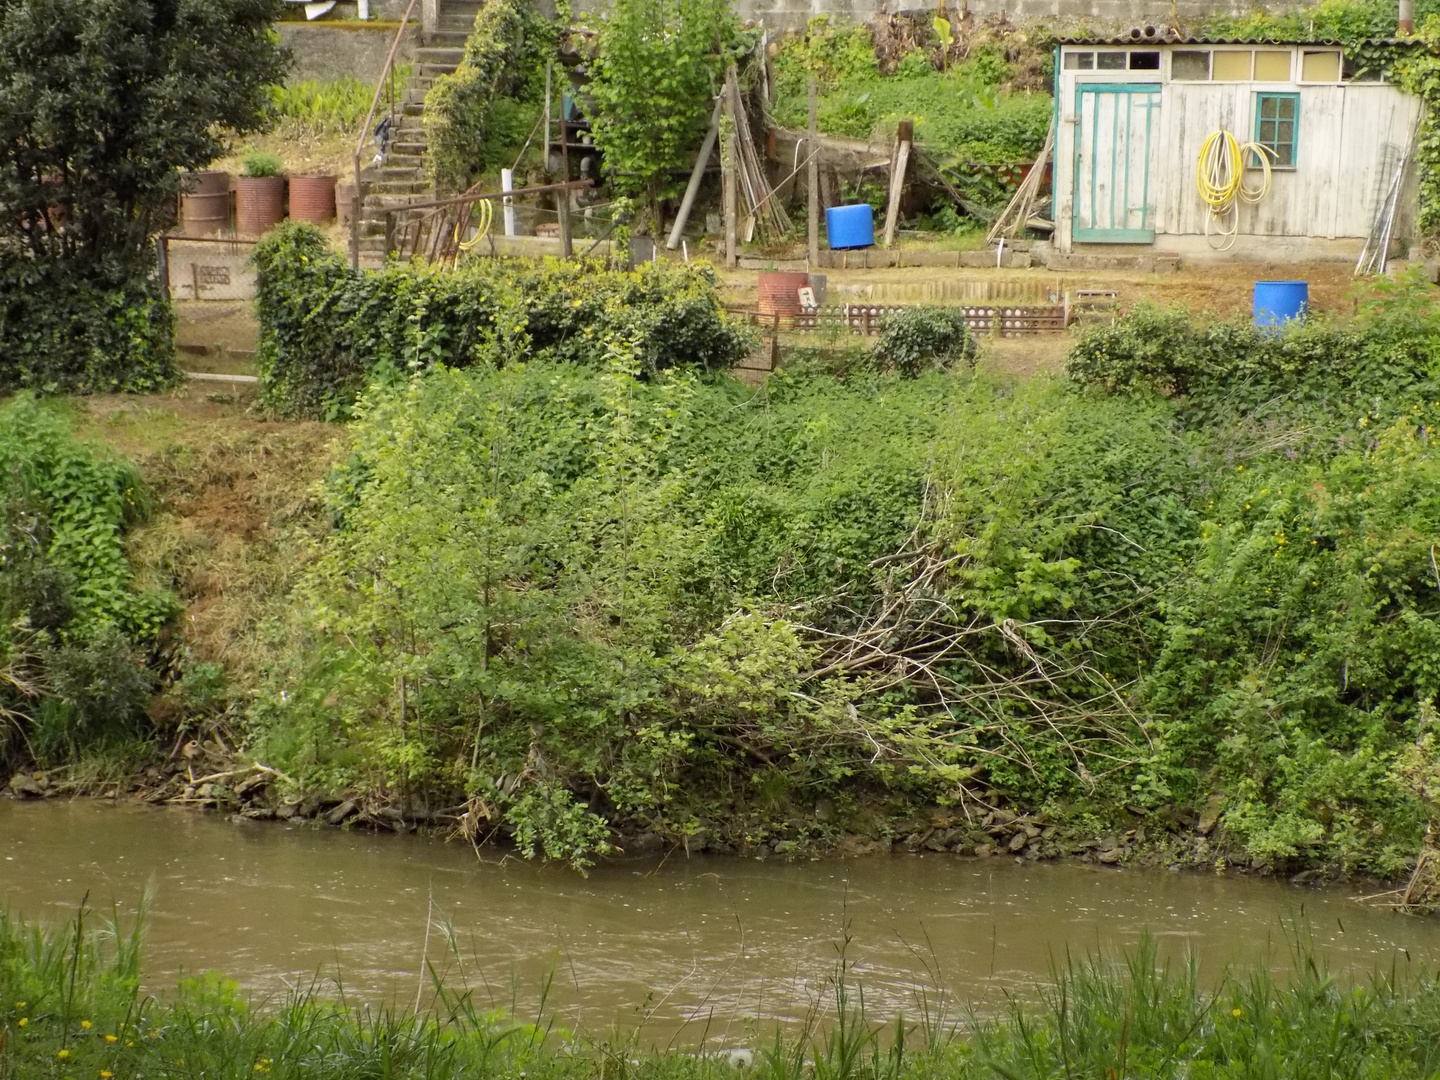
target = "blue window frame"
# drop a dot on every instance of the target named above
(1277, 126)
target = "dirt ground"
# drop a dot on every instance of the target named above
(1222, 289)
(237, 505)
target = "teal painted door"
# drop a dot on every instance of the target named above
(1115, 141)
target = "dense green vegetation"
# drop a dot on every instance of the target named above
(574, 587)
(101, 105)
(74, 632)
(72, 1008)
(978, 106)
(329, 107)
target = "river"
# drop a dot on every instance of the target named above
(696, 947)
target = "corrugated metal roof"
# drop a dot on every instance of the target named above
(1138, 36)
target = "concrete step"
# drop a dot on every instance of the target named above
(410, 147)
(396, 160)
(392, 172)
(446, 56)
(447, 38)
(432, 71)
(399, 187)
(396, 202)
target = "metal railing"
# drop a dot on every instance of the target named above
(387, 74)
(440, 230)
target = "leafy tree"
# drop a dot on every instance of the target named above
(101, 103)
(659, 65)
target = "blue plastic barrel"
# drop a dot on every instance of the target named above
(850, 226)
(1278, 303)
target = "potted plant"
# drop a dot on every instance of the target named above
(259, 193)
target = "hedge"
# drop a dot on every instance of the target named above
(326, 330)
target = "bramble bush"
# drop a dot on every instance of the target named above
(327, 329)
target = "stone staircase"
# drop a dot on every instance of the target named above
(401, 179)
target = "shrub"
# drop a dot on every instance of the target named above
(71, 625)
(70, 327)
(917, 339)
(657, 69)
(326, 329)
(261, 163)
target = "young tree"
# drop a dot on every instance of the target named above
(659, 65)
(102, 102)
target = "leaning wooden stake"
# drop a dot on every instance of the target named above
(692, 189)
(903, 138)
(812, 179)
(728, 158)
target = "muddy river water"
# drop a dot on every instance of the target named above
(700, 945)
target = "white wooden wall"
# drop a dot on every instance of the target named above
(1348, 135)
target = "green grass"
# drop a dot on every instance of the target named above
(70, 1007)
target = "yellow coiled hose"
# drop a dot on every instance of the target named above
(1220, 179)
(487, 215)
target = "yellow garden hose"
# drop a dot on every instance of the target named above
(1220, 179)
(487, 214)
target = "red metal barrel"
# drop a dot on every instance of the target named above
(259, 203)
(780, 291)
(312, 198)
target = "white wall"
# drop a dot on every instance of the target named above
(1330, 196)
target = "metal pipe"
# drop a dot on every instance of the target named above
(573, 185)
(1406, 22)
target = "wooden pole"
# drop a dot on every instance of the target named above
(562, 198)
(730, 184)
(812, 178)
(692, 189)
(903, 137)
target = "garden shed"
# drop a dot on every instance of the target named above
(1135, 118)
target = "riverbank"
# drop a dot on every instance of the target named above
(73, 1007)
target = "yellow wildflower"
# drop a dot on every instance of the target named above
(23, 1021)
(112, 1038)
(63, 1055)
(85, 1025)
(106, 1074)
(1237, 1013)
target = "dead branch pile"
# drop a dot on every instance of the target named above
(988, 687)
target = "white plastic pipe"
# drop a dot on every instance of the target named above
(364, 10)
(507, 183)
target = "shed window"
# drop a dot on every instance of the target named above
(1320, 66)
(1144, 61)
(1189, 66)
(1110, 61)
(1229, 66)
(1080, 61)
(1272, 66)
(1277, 126)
